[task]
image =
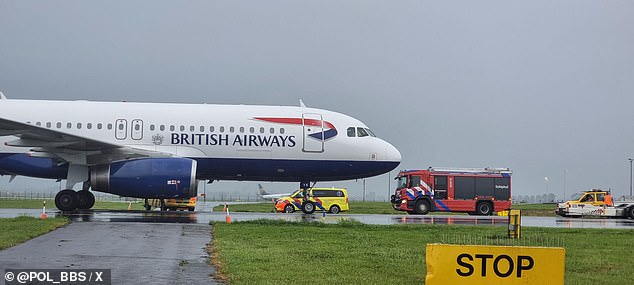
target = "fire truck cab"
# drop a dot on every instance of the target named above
(480, 191)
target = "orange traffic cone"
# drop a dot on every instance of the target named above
(43, 216)
(130, 206)
(227, 217)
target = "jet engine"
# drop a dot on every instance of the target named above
(156, 178)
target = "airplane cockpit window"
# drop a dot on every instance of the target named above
(370, 132)
(351, 132)
(361, 132)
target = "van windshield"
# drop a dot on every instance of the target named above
(298, 194)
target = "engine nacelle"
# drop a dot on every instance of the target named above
(147, 178)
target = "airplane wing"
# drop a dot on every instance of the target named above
(49, 143)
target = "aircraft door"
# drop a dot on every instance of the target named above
(137, 129)
(121, 129)
(313, 133)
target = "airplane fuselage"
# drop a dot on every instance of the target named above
(228, 142)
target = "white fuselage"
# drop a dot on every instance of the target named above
(276, 143)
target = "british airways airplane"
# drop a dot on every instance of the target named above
(160, 150)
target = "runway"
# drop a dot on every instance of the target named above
(136, 253)
(205, 215)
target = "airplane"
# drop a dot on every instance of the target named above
(266, 196)
(162, 150)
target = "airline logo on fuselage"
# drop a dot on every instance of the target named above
(233, 140)
(324, 129)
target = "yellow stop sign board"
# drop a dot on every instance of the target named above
(475, 264)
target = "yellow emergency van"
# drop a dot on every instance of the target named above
(175, 204)
(333, 200)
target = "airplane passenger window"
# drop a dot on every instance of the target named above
(151, 127)
(28, 122)
(262, 130)
(69, 125)
(78, 126)
(192, 128)
(182, 128)
(109, 126)
(121, 127)
(202, 129)
(38, 124)
(352, 132)
(99, 126)
(251, 130)
(59, 125)
(48, 124)
(241, 130)
(282, 131)
(222, 129)
(89, 126)
(272, 130)
(361, 132)
(211, 129)
(232, 129)
(172, 128)
(162, 127)
(137, 127)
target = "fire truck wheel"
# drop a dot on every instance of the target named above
(289, 208)
(484, 209)
(308, 208)
(631, 212)
(422, 207)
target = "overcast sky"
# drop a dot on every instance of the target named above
(537, 86)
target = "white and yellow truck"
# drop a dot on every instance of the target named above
(595, 203)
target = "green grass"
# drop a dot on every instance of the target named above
(50, 204)
(386, 208)
(17, 230)
(277, 252)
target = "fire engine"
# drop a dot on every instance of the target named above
(479, 191)
(597, 203)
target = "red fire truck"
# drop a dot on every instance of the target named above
(480, 191)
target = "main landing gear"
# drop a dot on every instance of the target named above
(69, 200)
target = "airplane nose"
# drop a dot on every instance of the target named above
(392, 154)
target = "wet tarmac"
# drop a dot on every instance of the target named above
(204, 215)
(136, 253)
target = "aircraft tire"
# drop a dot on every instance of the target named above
(308, 207)
(66, 200)
(85, 200)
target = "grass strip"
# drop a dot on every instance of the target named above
(386, 208)
(278, 252)
(14, 231)
(50, 204)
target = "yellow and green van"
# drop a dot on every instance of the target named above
(332, 200)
